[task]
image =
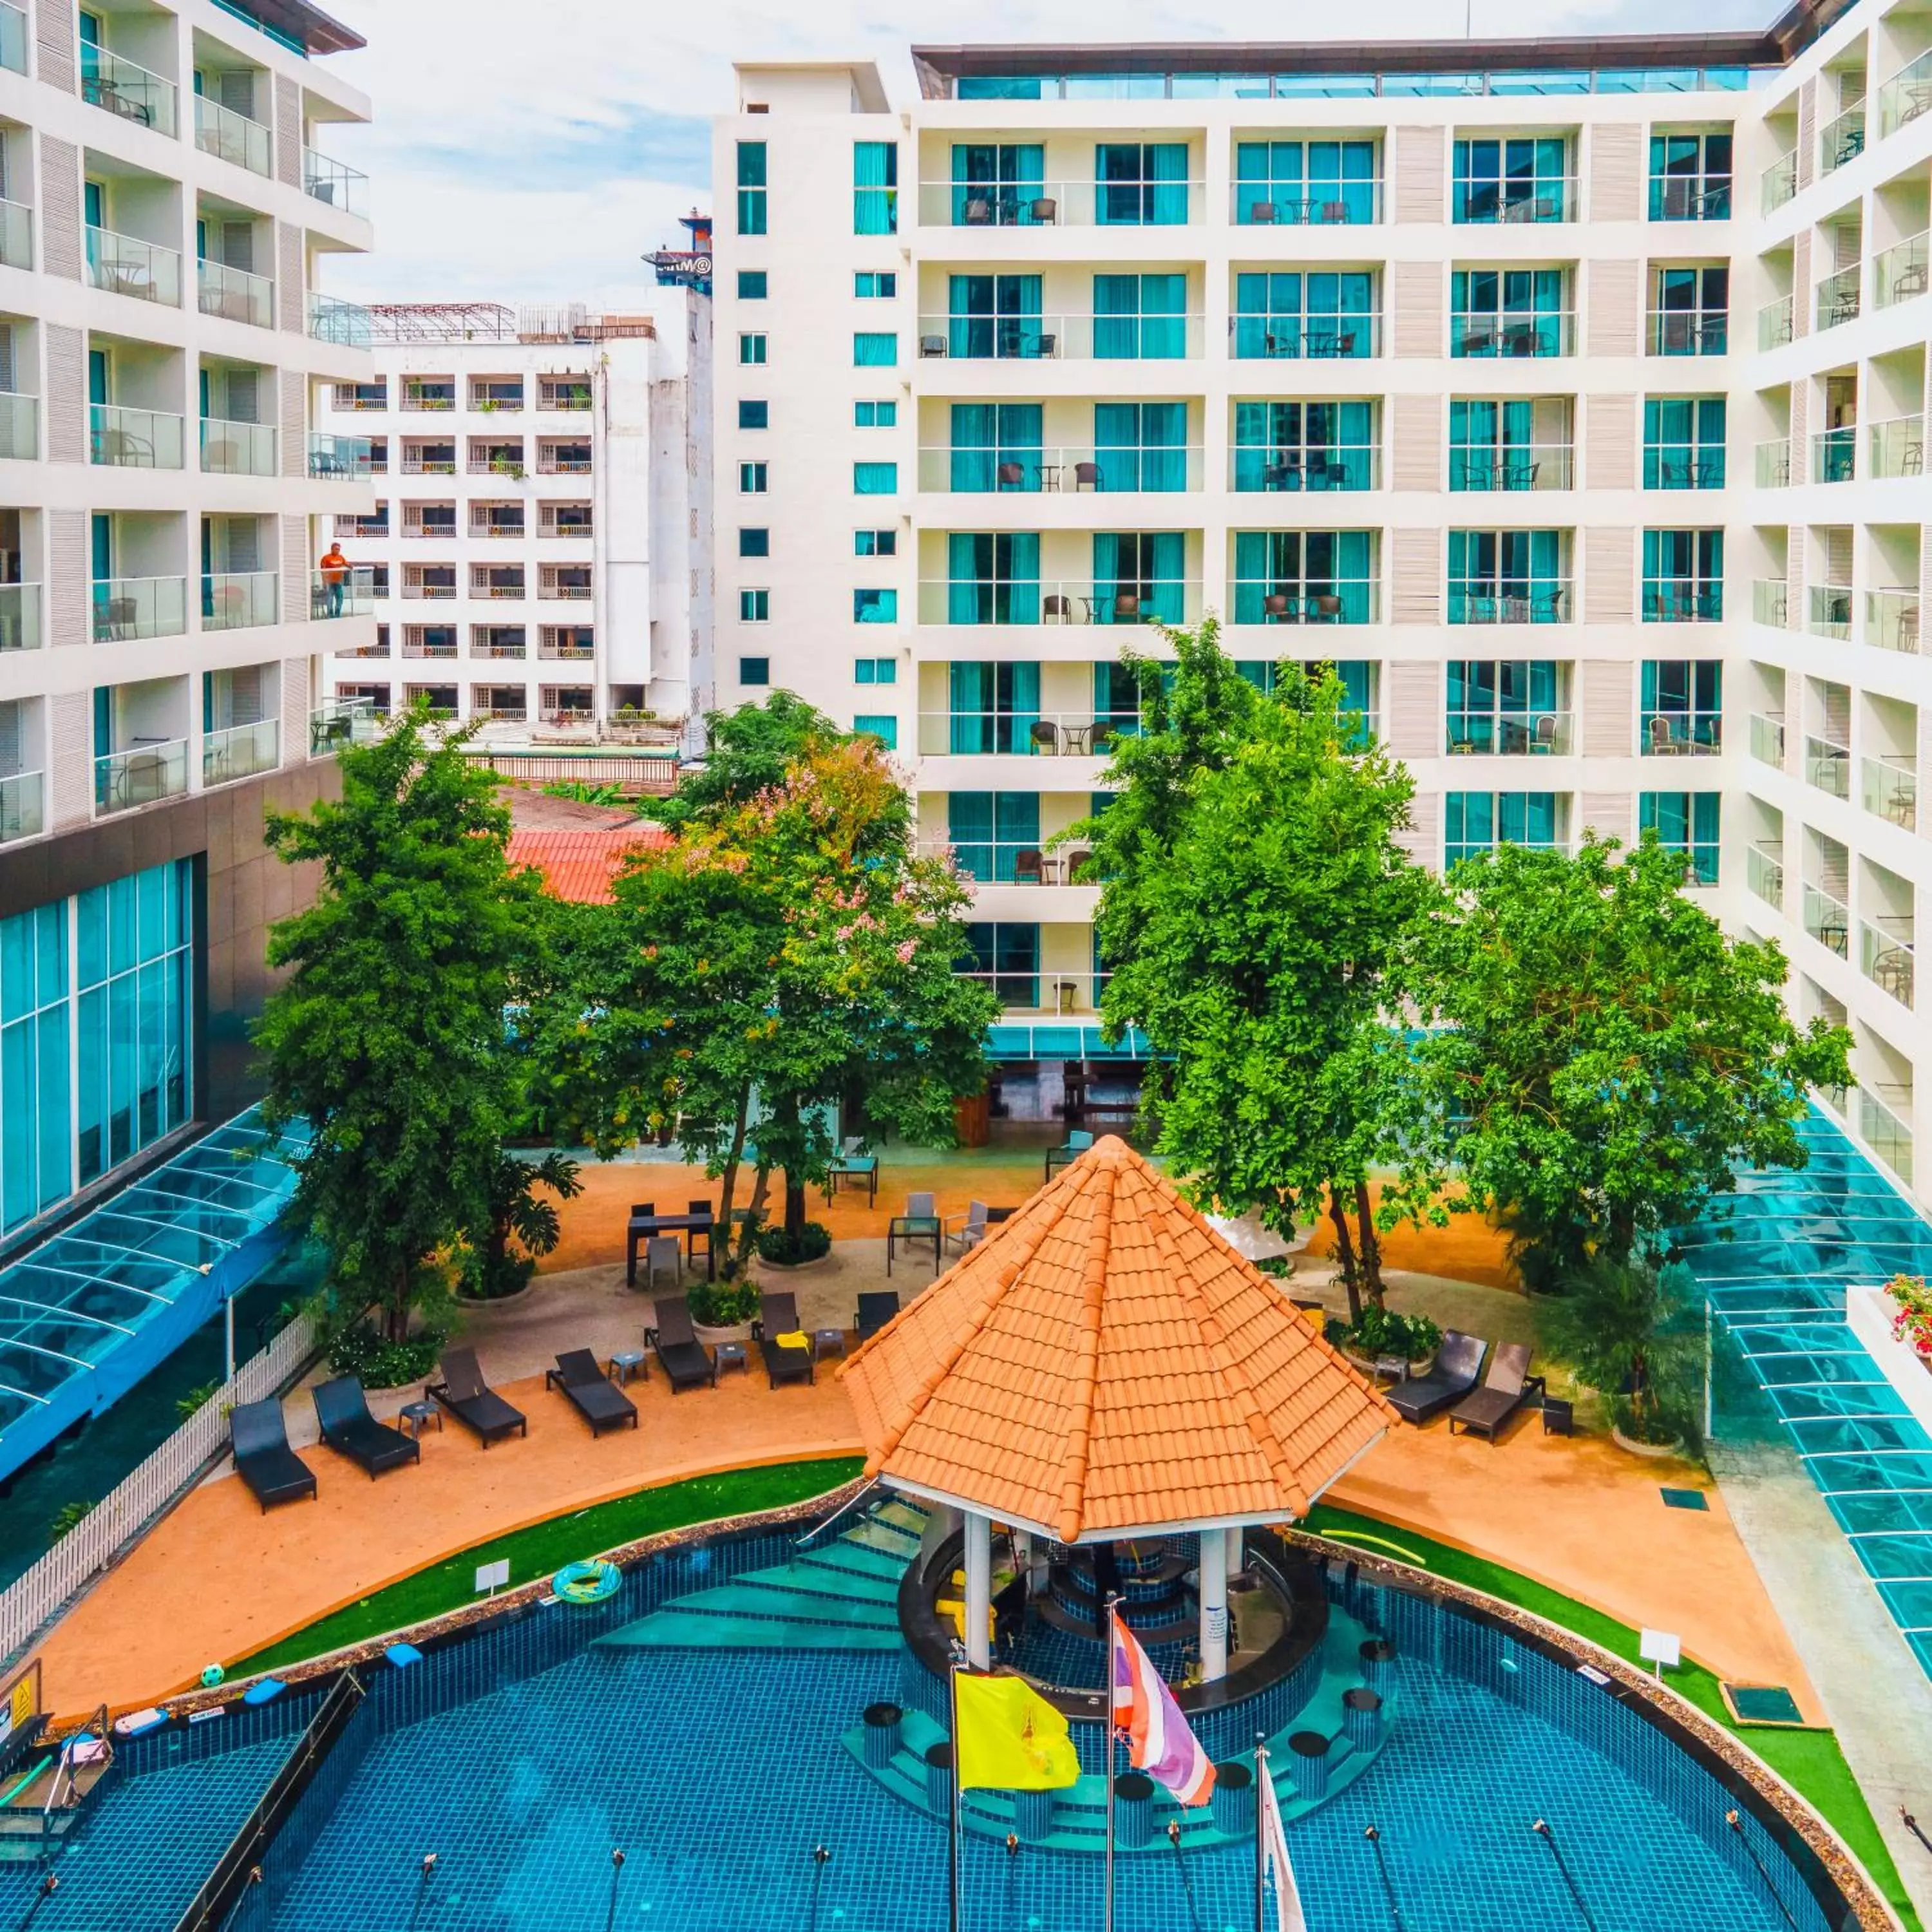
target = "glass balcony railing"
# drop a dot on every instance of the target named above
(1767, 739)
(1680, 734)
(20, 617)
(1078, 338)
(1353, 338)
(1835, 454)
(237, 600)
(1891, 619)
(1480, 335)
(1841, 140)
(19, 426)
(238, 448)
(1254, 470)
(1701, 197)
(1771, 602)
(1032, 734)
(1688, 332)
(1061, 204)
(1682, 600)
(340, 459)
(1772, 464)
(1828, 610)
(1683, 466)
(16, 235)
(1510, 735)
(125, 265)
(1548, 198)
(1838, 297)
(1886, 954)
(1905, 96)
(347, 324)
(1827, 919)
(342, 593)
(22, 799)
(241, 751)
(1764, 873)
(235, 294)
(1545, 600)
(13, 38)
(1897, 448)
(341, 722)
(961, 601)
(1164, 470)
(125, 89)
(133, 439)
(340, 187)
(1828, 766)
(1888, 788)
(1899, 272)
(221, 131)
(1348, 204)
(1883, 1128)
(1776, 322)
(139, 607)
(1779, 182)
(141, 774)
(1528, 465)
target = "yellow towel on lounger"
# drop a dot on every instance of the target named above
(797, 1339)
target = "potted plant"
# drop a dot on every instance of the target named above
(1381, 1335)
(1912, 1324)
(1635, 1332)
(723, 1311)
(776, 1246)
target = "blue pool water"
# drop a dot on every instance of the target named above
(1775, 1260)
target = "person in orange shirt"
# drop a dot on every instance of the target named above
(334, 568)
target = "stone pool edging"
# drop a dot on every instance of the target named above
(1776, 1804)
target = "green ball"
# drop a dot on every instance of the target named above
(212, 1676)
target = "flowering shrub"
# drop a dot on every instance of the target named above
(1912, 1324)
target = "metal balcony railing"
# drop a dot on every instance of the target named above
(1042, 338)
(1772, 464)
(1900, 272)
(1841, 140)
(1779, 182)
(1519, 734)
(1885, 1132)
(16, 235)
(1688, 332)
(1827, 919)
(1770, 602)
(967, 602)
(1069, 470)
(345, 323)
(1886, 949)
(1835, 454)
(339, 723)
(1897, 448)
(1838, 297)
(341, 593)
(1776, 322)
(1062, 204)
(1905, 96)
(1827, 609)
(19, 427)
(1522, 466)
(1030, 734)
(340, 459)
(13, 38)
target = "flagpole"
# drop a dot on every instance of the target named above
(952, 1813)
(1261, 1855)
(1111, 1613)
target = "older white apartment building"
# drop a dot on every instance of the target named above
(1447, 363)
(168, 207)
(538, 551)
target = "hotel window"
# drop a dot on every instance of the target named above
(1294, 182)
(1510, 707)
(751, 187)
(1690, 311)
(989, 830)
(875, 607)
(1006, 957)
(752, 285)
(1690, 177)
(754, 671)
(754, 543)
(875, 479)
(753, 478)
(1523, 178)
(1140, 446)
(996, 446)
(875, 543)
(1304, 577)
(755, 415)
(874, 349)
(1509, 443)
(754, 607)
(1683, 577)
(1479, 821)
(1686, 822)
(992, 577)
(875, 188)
(751, 349)
(1508, 576)
(1299, 446)
(1139, 577)
(1000, 185)
(1322, 316)
(1509, 312)
(1683, 442)
(992, 707)
(992, 316)
(1140, 183)
(870, 285)
(1140, 318)
(875, 416)
(880, 725)
(875, 670)
(1683, 708)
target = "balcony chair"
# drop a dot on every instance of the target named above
(1046, 210)
(1543, 738)
(1126, 608)
(1262, 214)
(1056, 609)
(1274, 605)
(1029, 868)
(1663, 742)
(1044, 735)
(978, 212)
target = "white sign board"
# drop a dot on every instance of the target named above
(1661, 1647)
(492, 1576)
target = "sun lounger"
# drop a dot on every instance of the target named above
(262, 1457)
(876, 1308)
(778, 1315)
(349, 1430)
(599, 1400)
(687, 1362)
(473, 1402)
(1503, 1391)
(1457, 1365)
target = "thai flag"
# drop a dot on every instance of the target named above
(1159, 1741)
(1274, 1849)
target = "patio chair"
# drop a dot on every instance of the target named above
(1029, 867)
(262, 1457)
(920, 1207)
(1503, 1391)
(1087, 476)
(1044, 735)
(777, 1315)
(692, 1236)
(596, 1398)
(1457, 1365)
(1044, 209)
(1261, 214)
(972, 1233)
(664, 1251)
(350, 1430)
(687, 1363)
(473, 1402)
(1056, 609)
(876, 1308)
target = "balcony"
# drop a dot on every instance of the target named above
(571, 644)
(238, 448)
(133, 439)
(125, 265)
(1525, 734)
(1480, 336)
(1680, 734)
(1061, 204)
(1833, 454)
(339, 723)
(568, 581)
(1340, 204)
(20, 617)
(1353, 338)
(572, 459)
(425, 527)
(221, 131)
(429, 582)
(1479, 203)
(1828, 767)
(127, 90)
(963, 602)
(501, 652)
(22, 799)
(237, 600)
(1166, 470)
(13, 38)
(141, 774)
(16, 235)
(1838, 297)
(434, 395)
(347, 324)
(503, 582)
(507, 526)
(139, 607)
(1829, 920)
(563, 393)
(1886, 949)
(375, 527)
(341, 593)
(234, 294)
(241, 751)
(1031, 734)
(1687, 331)
(1776, 322)
(1766, 739)
(1885, 1132)
(1044, 991)
(1779, 182)
(558, 520)
(497, 462)
(1905, 96)
(1842, 140)
(1891, 619)
(339, 459)
(421, 648)
(1519, 466)
(1770, 602)
(1682, 600)
(437, 459)
(1045, 338)
(1888, 789)
(1897, 448)
(1764, 873)
(1690, 197)
(1491, 601)
(332, 183)
(1828, 610)
(1772, 464)
(1899, 272)
(1257, 471)
(19, 427)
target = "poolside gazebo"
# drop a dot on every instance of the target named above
(1106, 1367)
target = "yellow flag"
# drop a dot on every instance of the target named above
(1010, 1738)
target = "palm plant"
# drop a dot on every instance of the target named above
(518, 1212)
(1635, 1332)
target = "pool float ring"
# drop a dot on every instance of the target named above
(589, 1582)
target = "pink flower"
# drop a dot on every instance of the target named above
(905, 949)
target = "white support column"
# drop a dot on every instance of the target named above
(978, 1590)
(1214, 1575)
(1232, 1537)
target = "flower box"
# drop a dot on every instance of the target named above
(1872, 1315)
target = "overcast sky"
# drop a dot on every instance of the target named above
(534, 153)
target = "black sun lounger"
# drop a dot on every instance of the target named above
(262, 1457)
(778, 1315)
(349, 1430)
(599, 1400)
(686, 1361)
(1453, 1376)
(1503, 1391)
(876, 1308)
(473, 1402)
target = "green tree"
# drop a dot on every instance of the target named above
(387, 1039)
(1600, 1054)
(1635, 1332)
(747, 752)
(1254, 898)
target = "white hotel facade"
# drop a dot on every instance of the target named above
(1570, 397)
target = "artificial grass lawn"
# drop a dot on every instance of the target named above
(1809, 1760)
(546, 1547)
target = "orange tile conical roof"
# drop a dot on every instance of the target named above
(1105, 1363)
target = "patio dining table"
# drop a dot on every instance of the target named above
(910, 1229)
(640, 1228)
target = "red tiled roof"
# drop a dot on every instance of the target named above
(581, 863)
(1104, 1362)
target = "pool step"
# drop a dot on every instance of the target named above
(687, 1629)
